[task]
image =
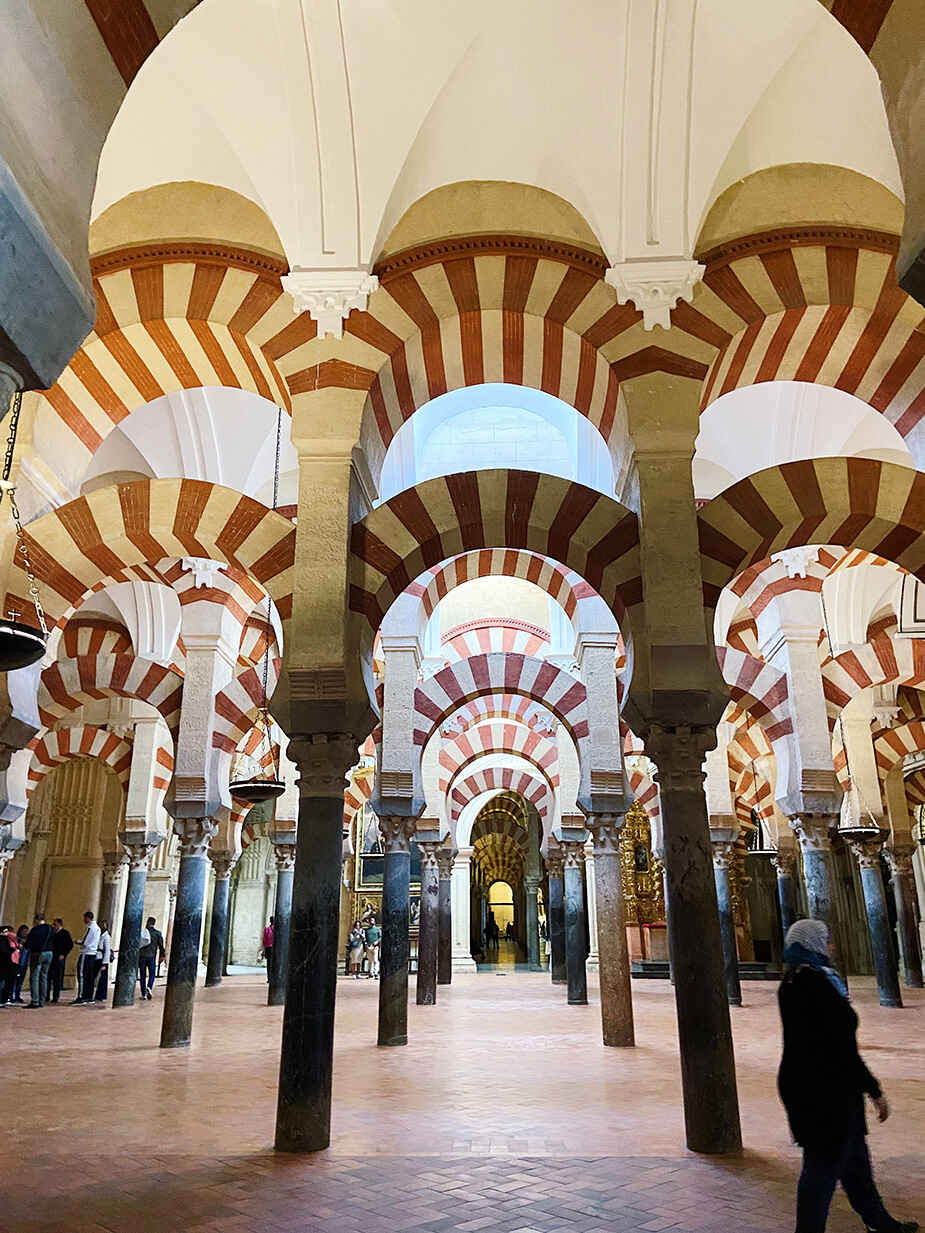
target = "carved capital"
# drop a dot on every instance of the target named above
(531, 885)
(655, 286)
(323, 759)
(172, 892)
(678, 755)
(396, 833)
(573, 854)
(203, 570)
(605, 831)
(223, 862)
(867, 852)
(329, 296)
(900, 859)
(555, 864)
(445, 859)
(285, 856)
(812, 831)
(430, 857)
(138, 855)
(195, 835)
(723, 853)
(784, 861)
(113, 863)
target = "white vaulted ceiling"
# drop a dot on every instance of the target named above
(335, 118)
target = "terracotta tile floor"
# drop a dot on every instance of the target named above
(503, 1113)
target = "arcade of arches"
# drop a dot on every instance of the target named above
(538, 501)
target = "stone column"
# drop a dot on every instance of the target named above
(222, 862)
(556, 917)
(532, 922)
(445, 913)
(812, 831)
(904, 895)
(590, 888)
(129, 939)
(616, 994)
(171, 915)
(784, 862)
(429, 934)
(573, 856)
(303, 1111)
(723, 855)
(708, 1079)
(878, 923)
(461, 907)
(393, 970)
(282, 915)
(113, 863)
(183, 963)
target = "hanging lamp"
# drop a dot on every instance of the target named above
(860, 831)
(257, 789)
(20, 644)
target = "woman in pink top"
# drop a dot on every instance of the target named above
(268, 947)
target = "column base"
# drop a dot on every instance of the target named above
(592, 963)
(464, 963)
(395, 1041)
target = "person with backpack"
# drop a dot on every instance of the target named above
(38, 944)
(61, 946)
(151, 949)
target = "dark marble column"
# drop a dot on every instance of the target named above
(282, 923)
(303, 1111)
(878, 922)
(429, 929)
(113, 864)
(171, 915)
(785, 863)
(532, 922)
(129, 938)
(813, 833)
(904, 897)
(393, 973)
(445, 912)
(575, 944)
(613, 952)
(708, 1078)
(723, 855)
(556, 917)
(222, 862)
(183, 962)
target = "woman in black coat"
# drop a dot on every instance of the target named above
(822, 1082)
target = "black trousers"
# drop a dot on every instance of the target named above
(88, 974)
(823, 1170)
(56, 977)
(268, 952)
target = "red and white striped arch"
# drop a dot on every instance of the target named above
(529, 784)
(758, 688)
(359, 790)
(438, 697)
(87, 741)
(855, 502)
(426, 525)
(488, 634)
(881, 660)
(103, 537)
(94, 636)
(496, 823)
(68, 684)
(564, 585)
(515, 707)
(498, 737)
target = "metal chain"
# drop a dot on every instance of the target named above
(22, 544)
(269, 627)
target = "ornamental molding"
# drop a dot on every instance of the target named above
(796, 561)
(139, 256)
(655, 286)
(810, 235)
(330, 296)
(490, 245)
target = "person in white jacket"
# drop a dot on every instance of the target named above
(103, 959)
(86, 977)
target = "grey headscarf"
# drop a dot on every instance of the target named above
(812, 934)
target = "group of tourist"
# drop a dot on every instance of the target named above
(363, 943)
(41, 953)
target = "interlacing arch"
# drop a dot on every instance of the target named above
(427, 524)
(530, 785)
(564, 585)
(98, 539)
(86, 741)
(857, 502)
(68, 684)
(881, 660)
(758, 688)
(515, 707)
(498, 737)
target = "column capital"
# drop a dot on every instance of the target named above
(172, 891)
(723, 853)
(396, 834)
(900, 858)
(195, 835)
(223, 861)
(784, 861)
(112, 866)
(323, 759)
(531, 884)
(445, 859)
(867, 852)
(138, 855)
(573, 853)
(812, 830)
(605, 831)
(678, 754)
(285, 856)
(554, 862)
(430, 854)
